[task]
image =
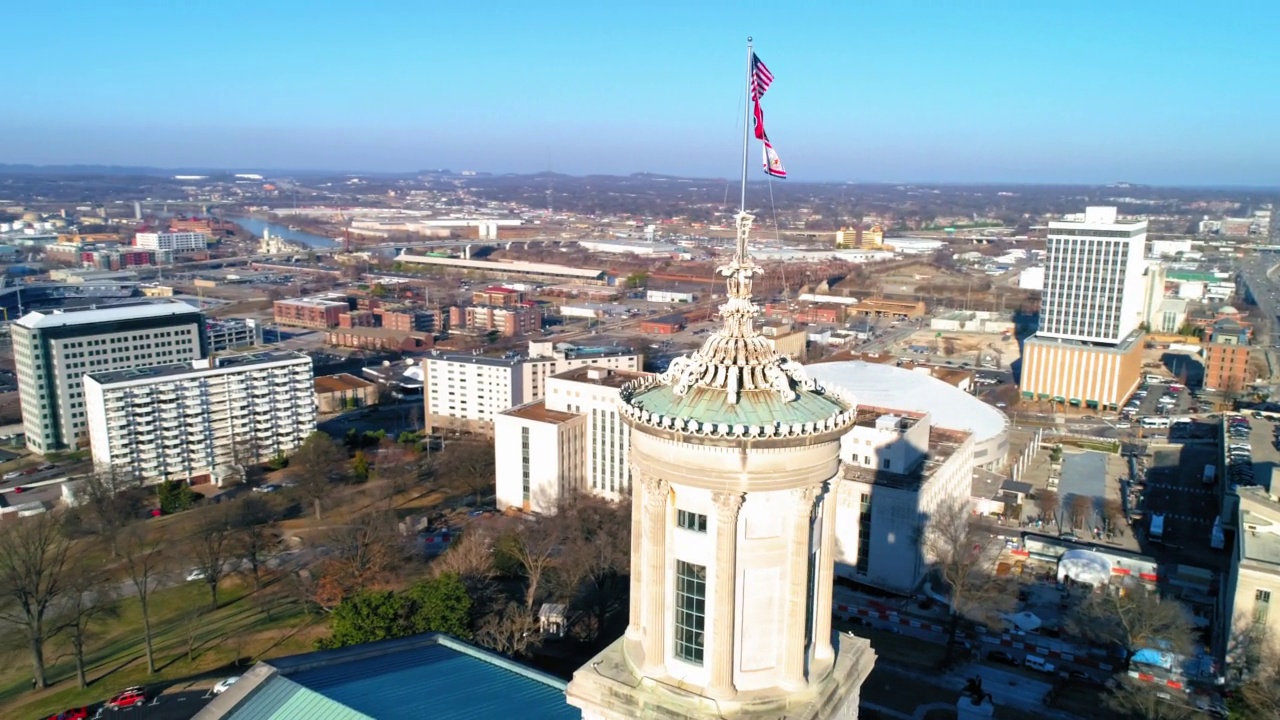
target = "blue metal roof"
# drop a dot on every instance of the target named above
(424, 676)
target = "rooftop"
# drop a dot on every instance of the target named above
(428, 675)
(885, 385)
(942, 445)
(340, 382)
(1260, 529)
(224, 362)
(530, 268)
(43, 320)
(604, 377)
(320, 301)
(538, 412)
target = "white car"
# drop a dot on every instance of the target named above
(225, 685)
(196, 574)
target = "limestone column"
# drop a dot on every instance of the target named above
(635, 621)
(826, 571)
(727, 507)
(656, 498)
(794, 647)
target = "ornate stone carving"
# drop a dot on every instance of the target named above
(727, 505)
(802, 498)
(656, 491)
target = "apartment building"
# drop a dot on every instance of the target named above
(233, 333)
(508, 321)
(571, 440)
(468, 390)
(1227, 366)
(897, 470)
(319, 312)
(182, 241)
(53, 350)
(199, 421)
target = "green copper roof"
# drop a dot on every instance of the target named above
(754, 407)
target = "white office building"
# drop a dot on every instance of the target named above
(897, 470)
(53, 350)
(172, 241)
(1093, 288)
(467, 390)
(571, 440)
(199, 421)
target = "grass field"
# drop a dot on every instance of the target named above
(193, 646)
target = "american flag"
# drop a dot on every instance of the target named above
(761, 78)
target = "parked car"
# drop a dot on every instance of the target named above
(225, 685)
(196, 574)
(80, 713)
(128, 697)
(1000, 656)
(268, 488)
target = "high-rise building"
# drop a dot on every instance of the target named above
(53, 350)
(197, 421)
(736, 457)
(1088, 352)
(1093, 288)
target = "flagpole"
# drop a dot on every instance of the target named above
(746, 128)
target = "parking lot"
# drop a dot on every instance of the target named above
(1174, 487)
(1157, 400)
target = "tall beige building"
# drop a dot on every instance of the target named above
(735, 457)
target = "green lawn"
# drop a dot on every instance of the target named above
(222, 642)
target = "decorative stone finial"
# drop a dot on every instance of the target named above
(735, 358)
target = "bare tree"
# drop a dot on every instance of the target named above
(470, 557)
(212, 547)
(512, 631)
(1050, 504)
(89, 600)
(957, 551)
(1080, 507)
(469, 465)
(1259, 694)
(319, 461)
(1112, 514)
(364, 555)
(1134, 619)
(143, 559)
(533, 546)
(398, 467)
(594, 558)
(108, 500)
(254, 523)
(34, 556)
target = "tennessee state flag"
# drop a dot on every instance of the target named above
(772, 163)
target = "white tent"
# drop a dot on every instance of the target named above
(1085, 566)
(1025, 621)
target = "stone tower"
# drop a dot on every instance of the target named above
(735, 452)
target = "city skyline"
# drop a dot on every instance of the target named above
(913, 93)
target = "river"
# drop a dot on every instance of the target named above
(258, 225)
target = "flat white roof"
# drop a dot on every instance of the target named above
(518, 267)
(63, 318)
(895, 388)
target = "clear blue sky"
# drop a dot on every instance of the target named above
(1164, 92)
